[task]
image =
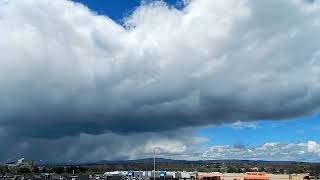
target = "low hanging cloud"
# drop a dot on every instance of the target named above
(184, 146)
(110, 146)
(66, 71)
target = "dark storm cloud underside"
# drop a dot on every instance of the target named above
(213, 112)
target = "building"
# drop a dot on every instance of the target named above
(278, 176)
(256, 176)
(209, 176)
(232, 176)
(20, 164)
(299, 176)
(174, 175)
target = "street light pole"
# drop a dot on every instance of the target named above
(154, 164)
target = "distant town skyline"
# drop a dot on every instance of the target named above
(88, 80)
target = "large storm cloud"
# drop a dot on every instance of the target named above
(66, 71)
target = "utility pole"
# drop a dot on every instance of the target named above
(154, 164)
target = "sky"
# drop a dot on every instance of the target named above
(89, 80)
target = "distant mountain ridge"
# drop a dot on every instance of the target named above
(172, 161)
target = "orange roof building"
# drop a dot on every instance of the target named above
(256, 176)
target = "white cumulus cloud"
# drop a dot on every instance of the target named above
(308, 151)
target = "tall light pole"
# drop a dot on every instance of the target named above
(154, 164)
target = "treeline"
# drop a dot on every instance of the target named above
(43, 169)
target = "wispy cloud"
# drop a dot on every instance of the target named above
(243, 125)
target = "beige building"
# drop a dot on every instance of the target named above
(279, 176)
(300, 176)
(232, 176)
